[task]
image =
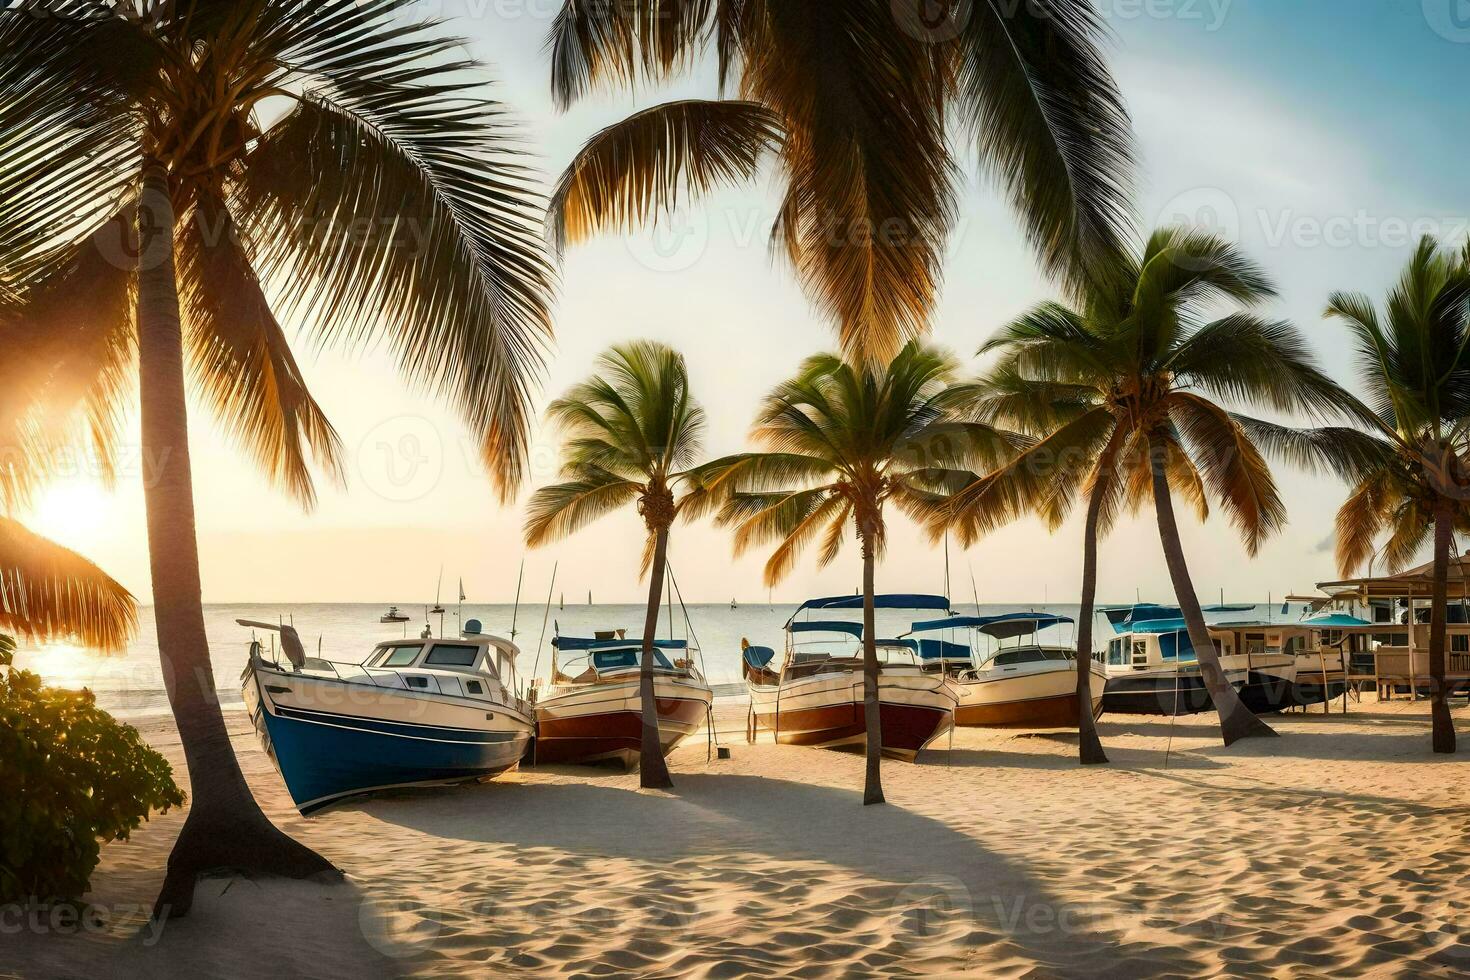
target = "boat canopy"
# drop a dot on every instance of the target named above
(758, 657)
(893, 600)
(1334, 621)
(1126, 618)
(1002, 627)
(942, 651)
(826, 626)
(591, 643)
(627, 656)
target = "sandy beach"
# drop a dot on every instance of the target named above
(1339, 849)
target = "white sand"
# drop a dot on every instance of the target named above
(1340, 849)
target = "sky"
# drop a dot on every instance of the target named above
(1324, 135)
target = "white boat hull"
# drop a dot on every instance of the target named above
(588, 723)
(1027, 696)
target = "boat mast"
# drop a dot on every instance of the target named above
(515, 610)
(536, 665)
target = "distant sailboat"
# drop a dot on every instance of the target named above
(437, 586)
(589, 597)
(732, 604)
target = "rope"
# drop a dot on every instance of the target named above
(698, 648)
(1169, 746)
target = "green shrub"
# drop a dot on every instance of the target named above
(71, 779)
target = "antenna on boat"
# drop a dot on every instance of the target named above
(946, 563)
(536, 666)
(515, 610)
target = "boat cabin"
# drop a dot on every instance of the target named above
(610, 657)
(475, 665)
(963, 644)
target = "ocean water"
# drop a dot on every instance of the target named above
(130, 684)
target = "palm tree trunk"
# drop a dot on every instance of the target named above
(1089, 746)
(1443, 736)
(653, 771)
(1236, 720)
(225, 828)
(872, 720)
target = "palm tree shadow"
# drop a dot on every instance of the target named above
(745, 821)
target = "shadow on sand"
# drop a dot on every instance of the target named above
(717, 819)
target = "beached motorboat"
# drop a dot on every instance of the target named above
(1152, 668)
(393, 616)
(815, 695)
(1025, 685)
(1269, 654)
(592, 711)
(415, 712)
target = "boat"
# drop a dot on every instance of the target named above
(592, 710)
(815, 695)
(1323, 656)
(1152, 669)
(412, 713)
(1267, 654)
(1021, 685)
(393, 616)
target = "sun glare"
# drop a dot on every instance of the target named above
(70, 513)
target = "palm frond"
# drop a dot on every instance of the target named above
(1360, 520)
(870, 182)
(558, 511)
(402, 202)
(69, 147)
(596, 41)
(1250, 359)
(48, 592)
(1051, 126)
(241, 357)
(68, 340)
(1233, 468)
(638, 167)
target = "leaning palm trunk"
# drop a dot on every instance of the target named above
(872, 717)
(225, 828)
(1439, 708)
(653, 771)
(1089, 746)
(1236, 720)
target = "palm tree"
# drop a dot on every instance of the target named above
(844, 440)
(48, 592)
(327, 149)
(1125, 392)
(863, 109)
(634, 434)
(1410, 475)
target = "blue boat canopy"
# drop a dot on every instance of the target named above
(588, 643)
(1156, 626)
(1125, 618)
(895, 600)
(826, 626)
(1335, 621)
(627, 656)
(942, 651)
(1002, 627)
(758, 657)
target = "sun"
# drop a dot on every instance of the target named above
(71, 513)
